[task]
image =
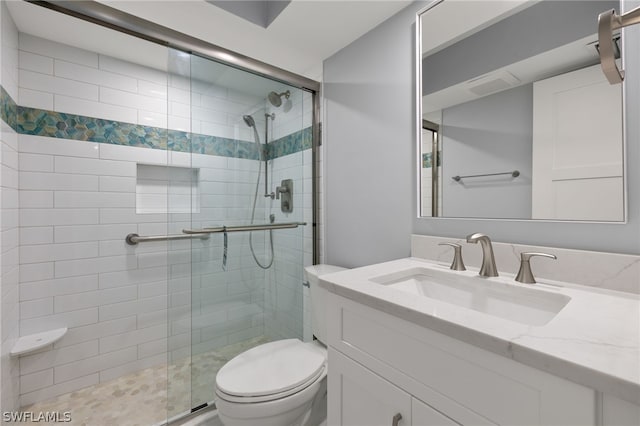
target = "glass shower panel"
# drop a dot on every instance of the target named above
(182, 200)
(163, 142)
(106, 134)
(246, 287)
(290, 160)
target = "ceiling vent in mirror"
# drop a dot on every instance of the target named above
(492, 82)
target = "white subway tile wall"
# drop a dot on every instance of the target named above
(131, 307)
(77, 271)
(9, 221)
(66, 79)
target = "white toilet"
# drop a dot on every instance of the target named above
(281, 383)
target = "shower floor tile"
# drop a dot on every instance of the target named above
(143, 398)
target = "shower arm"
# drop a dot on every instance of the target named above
(608, 22)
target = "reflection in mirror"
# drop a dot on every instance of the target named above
(518, 120)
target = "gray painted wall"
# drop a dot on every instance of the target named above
(368, 145)
(488, 135)
(371, 203)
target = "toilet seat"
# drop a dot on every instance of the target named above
(272, 397)
(271, 371)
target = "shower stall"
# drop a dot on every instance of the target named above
(166, 205)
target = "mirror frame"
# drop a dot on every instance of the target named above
(418, 142)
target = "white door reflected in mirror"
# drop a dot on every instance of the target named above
(577, 155)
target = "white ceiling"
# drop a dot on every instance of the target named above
(300, 38)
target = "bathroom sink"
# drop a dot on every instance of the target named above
(492, 296)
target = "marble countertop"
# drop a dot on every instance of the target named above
(593, 341)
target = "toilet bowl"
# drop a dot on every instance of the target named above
(280, 383)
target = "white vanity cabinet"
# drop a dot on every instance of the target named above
(381, 365)
(363, 397)
(358, 396)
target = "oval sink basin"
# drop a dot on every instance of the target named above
(525, 305)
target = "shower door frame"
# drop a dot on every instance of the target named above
(100, 14)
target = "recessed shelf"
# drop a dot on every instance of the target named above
(167, 189)
(33, 342)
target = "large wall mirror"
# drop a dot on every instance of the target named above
(518, 119)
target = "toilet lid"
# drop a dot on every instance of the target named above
(271, 368)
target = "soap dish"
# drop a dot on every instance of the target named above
(33, 342)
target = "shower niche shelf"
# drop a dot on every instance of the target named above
(167, 189)
(33, 342)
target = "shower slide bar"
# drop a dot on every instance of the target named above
(514, 173)
(133, 239)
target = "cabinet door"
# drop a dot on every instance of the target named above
(425, 415)
(616, 412)
(359, 397)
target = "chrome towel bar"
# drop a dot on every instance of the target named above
(514, 173)
(243, 228)
(133, 239)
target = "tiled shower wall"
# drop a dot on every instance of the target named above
(9, 389)
(78, 202)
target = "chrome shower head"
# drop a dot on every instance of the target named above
(249, 120)
(276, 98)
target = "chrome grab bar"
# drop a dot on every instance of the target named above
(242, 228)
(514, 174)
(608, 22)
(133, 239)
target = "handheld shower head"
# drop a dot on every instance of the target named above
(276, 98)
(249, 120)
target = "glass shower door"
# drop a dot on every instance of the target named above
(245, 288)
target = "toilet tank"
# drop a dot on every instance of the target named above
(318, 297)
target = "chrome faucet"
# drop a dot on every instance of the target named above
(488, 268)
(525, 275)
(457, 264)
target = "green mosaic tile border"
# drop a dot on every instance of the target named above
(290, 144)
(39, 122)
(427, 160)
(8, 109)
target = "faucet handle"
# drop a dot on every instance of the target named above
(281, 190)
(457, 264)
(524, 274)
